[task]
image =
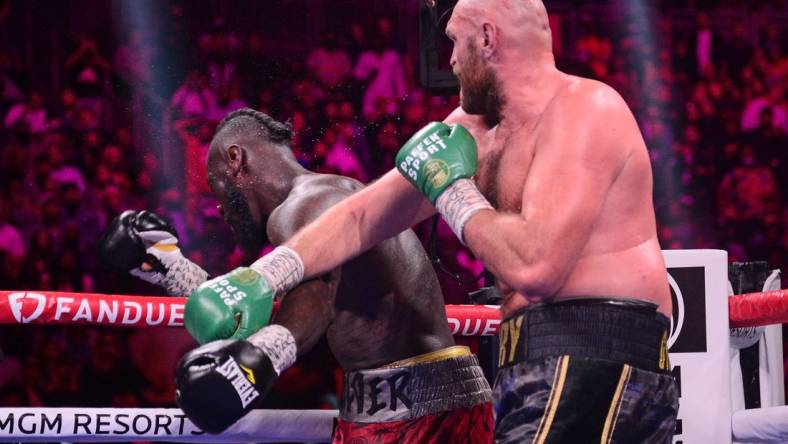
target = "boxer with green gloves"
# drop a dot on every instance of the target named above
(572, 236)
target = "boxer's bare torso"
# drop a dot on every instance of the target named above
(561, 158)
(621, 257)
(582, 145)
(387, 305)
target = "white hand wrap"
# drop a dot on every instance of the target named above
(182, 275)
(458, 203)
(282, 268)
(278, 343)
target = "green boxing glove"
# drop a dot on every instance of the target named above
(233, 306)
(436, 157)
(439, 160)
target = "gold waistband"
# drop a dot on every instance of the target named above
(433, 356)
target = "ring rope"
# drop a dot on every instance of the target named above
(54, 307)
(761, 308)
(765, 425)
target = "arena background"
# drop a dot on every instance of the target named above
(109, 105)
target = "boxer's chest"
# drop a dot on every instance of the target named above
(503, 169)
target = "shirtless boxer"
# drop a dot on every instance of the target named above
(560, 210)
(382, 313)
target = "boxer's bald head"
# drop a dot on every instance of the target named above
(248, 157)
(521, 25)
(494, 42)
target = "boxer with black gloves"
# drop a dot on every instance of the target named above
(382, 312)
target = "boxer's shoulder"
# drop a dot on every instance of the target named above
(592, 98)
(308, 199)
(471, 122)
(475, 124)
(586, 119)
(592, 111)
(312, 183)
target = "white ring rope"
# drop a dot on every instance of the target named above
(23, 424)
(763, 425)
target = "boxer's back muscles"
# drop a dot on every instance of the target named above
(387, 303)
(532, 169)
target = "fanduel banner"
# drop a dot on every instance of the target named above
(51, 307)
(54, 307)
(699, 344)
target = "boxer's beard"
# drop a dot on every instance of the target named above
(250, 236)
(481, 91)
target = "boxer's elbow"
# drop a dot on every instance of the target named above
(539, 281)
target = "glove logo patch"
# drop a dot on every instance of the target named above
(238, 379)
(428, 146)
(436, 172)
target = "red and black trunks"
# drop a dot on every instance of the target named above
(433, 398)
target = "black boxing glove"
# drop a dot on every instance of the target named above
(134, 238)
(220, 382)
(120, 246)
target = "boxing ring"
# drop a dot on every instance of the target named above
(761, 308)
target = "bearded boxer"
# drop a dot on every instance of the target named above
(559, 209)
(382, 313)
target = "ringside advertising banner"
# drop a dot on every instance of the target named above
(54, 307)
(114, 425)
(699, 344)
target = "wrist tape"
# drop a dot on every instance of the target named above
(278, 344)
(183, 276)
(282, 268)
(458, 203)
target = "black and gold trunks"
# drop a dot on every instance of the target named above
(585, 370)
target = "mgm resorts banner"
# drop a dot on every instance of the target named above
(124, 425)
(699, 344)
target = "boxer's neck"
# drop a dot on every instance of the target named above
(274, 187)
(527, 89)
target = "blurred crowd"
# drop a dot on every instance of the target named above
(712, 107)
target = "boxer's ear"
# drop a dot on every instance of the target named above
(489, 40)
(236, 157)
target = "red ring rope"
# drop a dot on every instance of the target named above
(52, 307)
(762, 308)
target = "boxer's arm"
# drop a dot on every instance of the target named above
(308, 309)
(568, 182)
(380, 211)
